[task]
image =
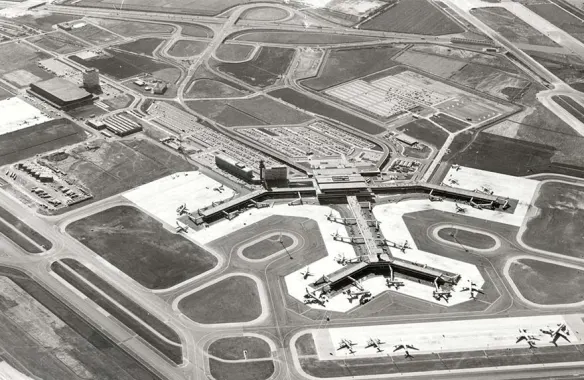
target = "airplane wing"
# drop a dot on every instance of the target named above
(413, 348)
(521, 338)
(398, 347)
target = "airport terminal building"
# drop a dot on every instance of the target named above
(61, 93)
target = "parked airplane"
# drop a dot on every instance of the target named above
(306, 273)
(440, 294)
(181, 227)
(530, 339)
(346, 344)
(311, 297)
(182, 209)
(391, 282)
(376, 343)
(474, 290)
(351, 295)
(460, 209)
(561, 332)
(407, 348)
(219, 188)
(344, 261)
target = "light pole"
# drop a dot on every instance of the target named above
(459, 243)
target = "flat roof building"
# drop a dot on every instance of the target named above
(234, 167)
(61, 93)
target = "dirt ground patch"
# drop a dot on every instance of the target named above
(491, 81)
(118, 166)
(556, 227)
(142, 46)
(312, 105)
(298, 38)
(141, 247)
(121, 65)
(195, 30)
(128, 28)
(267, 247)
(208, 88)
(425, 131)
(433, 64)
(58, 42)
(257, 370)
(94, 34)
(234, 52)
(341, 65)
(414, 16)
(264, 14)
(232, 300)
(265, 69)
(45, 22)
(187, 48)
(467, 238)
(547, 283)
(449, 123)
(39, 139)
(259, 110)
(232, 348)
(511, 27)
(49, 340)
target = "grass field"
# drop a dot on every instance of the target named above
(305, 345)
(141, 247)
(560, 18)
(18, 239)
(567, 67)
(573, 107)
(256, 370)
(129, 28)
(467, 238)
(45, 339)
(121, 65)
(119, 166)
(39, 139)
(26, 230)
(449, 123)
(209, 88)
(264, 14)
(171, 351)
(265, 69)
(298, 38)
(425, 131)
(433, 64)
(312, 105)
(195, 30)
(187, 48)
(142, 46)
(491, 81)
(5, 94)
(546, 283)
(233, 52)
(341, 65)
(232, 300)
(231, 348)
(556, 227)
(259, 110)
(267, 247)
(511, 27)
(414, 16)
(58, 42)
(94, 35)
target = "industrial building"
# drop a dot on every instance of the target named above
(276, 173)
(121, 125)
(234, 167)
(61, 93)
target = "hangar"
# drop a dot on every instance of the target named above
(61, 93)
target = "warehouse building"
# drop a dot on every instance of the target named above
(61, 93)
(121, 125)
